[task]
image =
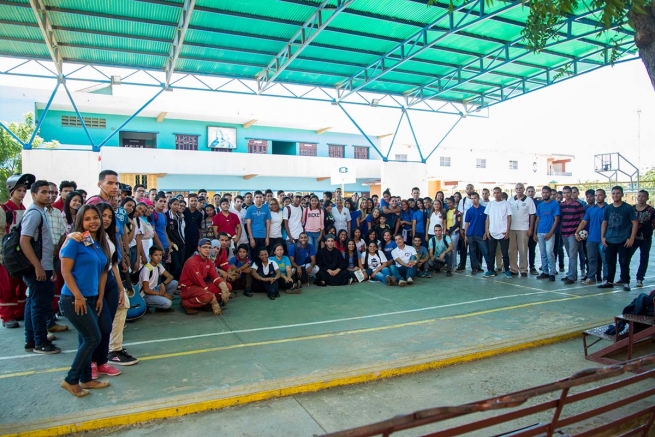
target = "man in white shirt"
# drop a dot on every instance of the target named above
(464, 205)
(292, 216)
(241, 213)
(499, 219)
(341, 216)
(404, 267)
(521, 230)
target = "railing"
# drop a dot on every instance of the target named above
(635, 422)
(559, 173)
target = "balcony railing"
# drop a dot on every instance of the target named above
(559, 173)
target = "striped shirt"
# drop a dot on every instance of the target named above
(572, 214)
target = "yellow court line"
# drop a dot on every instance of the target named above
(321, 336)
(198, 407)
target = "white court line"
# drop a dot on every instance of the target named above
(298, 325)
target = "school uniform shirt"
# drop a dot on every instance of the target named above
(594, 218)
(619, 222)
(498, 213)
(341, 219)
(547, 211)
(242, 220)
(227, 224)
(302, 255)
(420, 222)
(266, 269)
(373, 261)
(159, 222)
(276, 225)
(522, 209)
(88, 265)
(476, 219)
(435, 219)
(403, 254)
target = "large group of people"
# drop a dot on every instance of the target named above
(88, 252)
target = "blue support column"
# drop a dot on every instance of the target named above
(2, 125)
(28, 145)
(138, 111)
(414, 135)
(393, 140)
(384, 158)
(442, 139)
(70, 97)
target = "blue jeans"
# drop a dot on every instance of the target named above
(644, 254)
(572, 247)
(379, 276)
(38, 307)
(547, 249)
(313, 239)
(480, 243)
(402, 273)
(106, 319)
(88, 337)
(596, 254)
(454, 237)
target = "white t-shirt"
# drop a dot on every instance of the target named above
(341, 219)
(242, 218)
(265, 268)
(521, 211)
(293, 214)
(464, 204)
(404, 254)
(374, 261)
(435, 219)
(276, 225)
(151, 276)
(498, 213)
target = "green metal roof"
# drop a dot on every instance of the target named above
(399, 47)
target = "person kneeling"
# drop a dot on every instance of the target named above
(441, 249)
(332, 265)
(240, 264)
(265, 274)
(157, 293)
(200, 284)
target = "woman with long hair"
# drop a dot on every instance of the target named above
(373, 219)
(375, 263)
(72, 204)
(437, 217)
(175, 231)
(359, 241)
(143, 236)
(453, 225)
(285, 281)
(352, 260)
(328, 219)
(313, 222)
(441, 198)
(84, 267)
(342, 238)
(360, 216)
(388, 244)
(275, 231)
(405, 226)
(372, 236)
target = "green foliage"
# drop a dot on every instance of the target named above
(10, 149)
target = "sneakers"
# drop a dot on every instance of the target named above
(569, 281)
(94, 371)
(350, 281)
(551, 278)
(122, 358)
(46, 348)
(588, 281)
(108, 370)
(460, 268)
(489, 274)
(410, 281)
(543, 276)
(606, 284)
(533, 271)
(29, 347)
(626, 287)
(402, 283)
(640, 283)
(508, 274)
(427, 275)
(449, 273)
(10, 324)
(58, 328)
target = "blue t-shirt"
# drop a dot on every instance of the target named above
(303, 255)
(391, 217)
(89, 263)
(388, 248)
(421, 251)
(619, 222)
(258, 217)
(283, 263)
(420, 222)
(594, 218)
(159, 222)
(354, 215)
(547, 211)
(236, 262)
(476, 219)
(406, 216)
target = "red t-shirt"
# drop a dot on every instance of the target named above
(59, 204)
(227, 224)
(221, 260)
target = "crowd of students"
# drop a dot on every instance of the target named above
(207, 250)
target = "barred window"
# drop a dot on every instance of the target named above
(361, 152)
(444, 161)
(186, 142)
(336, 151)
(307, 149)
(90, 122)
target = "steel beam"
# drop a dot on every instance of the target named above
(488, 62)
(28, 145)
(178, 40)
(418, 147)
(421, 41)
(443, 138)
(384, 158)
(319, 20)
(393, 140)
(79, 115)
(43, 21)
(13, 135)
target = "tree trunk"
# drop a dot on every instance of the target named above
(645, 38)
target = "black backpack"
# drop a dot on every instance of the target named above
(14, 260)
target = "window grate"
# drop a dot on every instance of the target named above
(307, 149)
(90, 122)
(186, 142)
(361, 152)
(336, 151)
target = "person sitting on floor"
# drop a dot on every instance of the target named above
(265, 274)
(303, 259)
(422, 259)
(404, 267)
(200, 284)
(241, 265)
(223, 267)
(157, 293)
(332, 265)
(441, 249)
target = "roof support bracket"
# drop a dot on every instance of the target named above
(48, 36)
(178, 40)
(315, 24)
(443, 138)
(384, 158)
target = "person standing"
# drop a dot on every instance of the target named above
(618, 234)
(548, 216)
(462, 206)
(572, 213)
(292, 215)
(497, 226)
(521, 230)
(644, 238)
(532, 244)
(258, 223)
(474, 235)
(341, 215)
(193, 221)
(65, 187)
(592, 222)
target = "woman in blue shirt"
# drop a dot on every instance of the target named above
(286, 281)
(84, 268)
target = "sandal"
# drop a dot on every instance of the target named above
(69, 388)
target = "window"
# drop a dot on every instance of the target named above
(444, 161)
(186, 142)
(307, 149)
(141, 179)
(361, 152)
(90, 122)
(336, 151)
(513, 165)
(401, 157)
(480, 163)
(258, 146)
(137, 140)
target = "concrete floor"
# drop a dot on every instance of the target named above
(321, 338)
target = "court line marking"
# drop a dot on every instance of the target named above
(323, 336)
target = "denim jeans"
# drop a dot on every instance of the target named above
(379, 276)
(644, 253)
(38, 307)
(437, 264)
(571, 246)
(88, 335)
(480, 243)
(547, 249)
(105, 319)
(596, 256)
(402, 273)
(313, 240)
(161, 302)
(453, 255)
(504, 249)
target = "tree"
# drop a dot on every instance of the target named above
(547, 15)
(10, 149)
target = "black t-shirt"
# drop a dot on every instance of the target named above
(192, 221)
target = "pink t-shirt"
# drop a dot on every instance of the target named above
(313, 220)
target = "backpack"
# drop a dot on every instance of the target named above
(446, 241)
(15, 261)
